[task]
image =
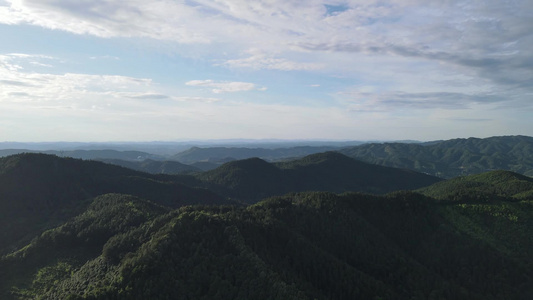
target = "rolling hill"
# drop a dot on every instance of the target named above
(299, 246)
(154, 166)
(39, 191)
(252, 179)
(483, 187)
(75, 229)
(452, 158)
(89, 154)
(198, 154)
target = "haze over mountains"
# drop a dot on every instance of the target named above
(321, 226)
(444, 159)
(307, 245)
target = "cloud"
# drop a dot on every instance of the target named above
(18, 94)
(34, 90)
(107, 95)
(485, 36)
(259, 60)
(225, 86)
(19, 61)
(15, 83)
(104, 57)
(148, 96)
(474, 120)
(108, 18)
(413, 55)
(197, 99)
(402, 101)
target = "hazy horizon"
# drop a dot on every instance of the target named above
(242, 140)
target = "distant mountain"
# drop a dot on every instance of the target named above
(484, 187)
(206, 165)
(252, 179)
(7, 152)
(105, 154)
(154, 166)
(300, 246)
(88, 154)
(452, 158)
(214, 154)
(38, 191)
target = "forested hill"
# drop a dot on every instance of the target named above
(88, 154)
(196, 154)
(38, 191)
(252, 179)
(452, 158)
(484, 187)
(154, 166)
(299, 246)
(74, 229)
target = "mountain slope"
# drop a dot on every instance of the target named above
(452, 158)
(331, 171)
(154, 166)
(38, 191)
(252, 179)
(483, 187)
(197, 154)
(299, 246)
(88, 154)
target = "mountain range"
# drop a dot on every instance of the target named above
(252, 179)
(38, 191)
(323, 226)
(452, 158)
(312, 245)
(445, 159)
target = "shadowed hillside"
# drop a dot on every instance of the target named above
(38, 191)
(299, 246)
(70, 231)
(154, 166)
(197, 154)
(252, 179)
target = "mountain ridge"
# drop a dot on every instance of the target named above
(451, 158)
(34, 188)
(254, 178)
(297, 246)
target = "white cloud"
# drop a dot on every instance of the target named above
(258, 60)
(410, 102)
(453, 55)
(161, 20)
(197, 99)
(226, 86)
(479, 36)
(85, 92)
(104, 57)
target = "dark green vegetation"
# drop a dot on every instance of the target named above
(154, 166)
(88, 154)
(485, 187)
(252, 179)
(299, 246)
(70, 231)
(445, 159)
(215, 154)
(39, 191)
(452, 158)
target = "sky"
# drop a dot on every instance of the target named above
(168, 70)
